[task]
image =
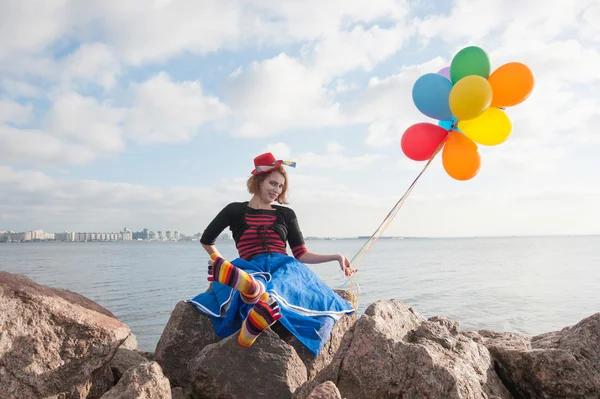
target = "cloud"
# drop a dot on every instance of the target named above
(279, 94)
(92, 63)
(14, 88)
(15, 113)
(30, 147)
(30, 199)
(85, 121)
(167, 111)
(33, 200)
(169, 28)
(280, 150)
(335, 155)
(30, 27)
(507, 21)
(590, 30)
(346, 50)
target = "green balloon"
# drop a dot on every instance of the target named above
(471, 60)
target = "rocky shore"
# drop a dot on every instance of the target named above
(55, 343)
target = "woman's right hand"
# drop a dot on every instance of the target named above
(345, 266)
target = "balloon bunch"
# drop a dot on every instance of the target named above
(469, 104)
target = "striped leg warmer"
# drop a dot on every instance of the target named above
(263, 315)
(225, 273)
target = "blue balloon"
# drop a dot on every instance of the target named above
(449, 124)
(430, 94)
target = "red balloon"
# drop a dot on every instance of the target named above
(420, 141)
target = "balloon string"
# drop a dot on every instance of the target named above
(366, 247)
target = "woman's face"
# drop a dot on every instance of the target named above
(271, 187)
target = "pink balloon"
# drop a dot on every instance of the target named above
(420, 141)
(445, 72)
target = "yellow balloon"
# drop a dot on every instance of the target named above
(492, 127)
(470, 96)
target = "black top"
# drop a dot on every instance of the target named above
(257, 231)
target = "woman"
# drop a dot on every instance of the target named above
(265, 284)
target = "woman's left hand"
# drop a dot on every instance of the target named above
(345, 266)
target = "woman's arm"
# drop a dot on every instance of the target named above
(210, 249)
(313, 258)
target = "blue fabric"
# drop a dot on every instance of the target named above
(292, 284)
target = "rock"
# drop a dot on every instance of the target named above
(313, 363)
(53, 342)
(130, 342)
(123, 360)
(145, 381)
(148, 355)
(179, 393)
(187, 332)
(392, 351)
(326, 390)
(268, 369)
(561, 364)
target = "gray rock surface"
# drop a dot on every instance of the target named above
(145, 381)
(326, 390)
(392, 352)
(54, 343)
(270, 368)
(123, 360)
(560, 364)
(187, 332)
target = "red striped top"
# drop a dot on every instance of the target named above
(258, 231)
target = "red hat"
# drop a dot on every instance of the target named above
(265, 163)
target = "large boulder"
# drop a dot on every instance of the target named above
(326, 390)
(270, 368)
(187, 332)
(560, 364)
(145, 381)
(54, 343)
(123, 360)
(392, 351)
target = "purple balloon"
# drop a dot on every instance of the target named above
(445, 72)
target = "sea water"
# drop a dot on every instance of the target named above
(528, 285)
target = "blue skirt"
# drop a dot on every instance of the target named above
(309, 307)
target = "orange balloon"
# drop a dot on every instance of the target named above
(511, 84)
(460, 156)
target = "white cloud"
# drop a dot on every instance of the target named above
(17, 89)
(334, 147)
(34, 147)
(31, 25)
(279, 94)
(85, 121)
(347, 50)
(510, 21)
(167, 111)
(299, 21)
(15, 113)
(58, 204)
(169, 29)
(590, 29)
(337, 157)
(280, 150)
(93, 63)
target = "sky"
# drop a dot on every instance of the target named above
(148, 114)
